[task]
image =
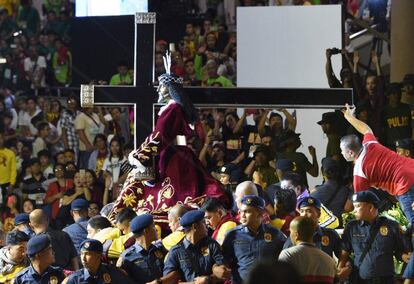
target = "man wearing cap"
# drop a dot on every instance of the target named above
(374, 240)
(252, 240)
(78, 230)
(144, 261)
(40, 253)
(376, 166)
(329, 124)
(21, 223)
(218, 219)
(325, 239)
(405, 147)
(198, 257)
(94, 271)
(13, 256)
(396, 116)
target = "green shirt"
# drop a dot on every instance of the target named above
(220, 79)
(118, 80)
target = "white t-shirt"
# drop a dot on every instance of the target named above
(35, 68)
(25, 120)
(113, 166)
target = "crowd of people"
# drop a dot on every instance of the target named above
(63, 168)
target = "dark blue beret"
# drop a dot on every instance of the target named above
(37, 244)
(406, 143)
(254, 201)
(141, 222)
(191, 217)
(310, 201)
(91, 245)
(79, 204)
(366, 196)
(21, 219)
(285, 165)
(16, 237)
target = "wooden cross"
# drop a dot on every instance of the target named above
(142, 95)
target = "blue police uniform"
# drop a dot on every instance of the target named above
(409, 270)
(378, 264)
(77, 232)
(325, 239)
(193, 260)
(241, 249)
(144, 265)
(29, 275)
(105, 274)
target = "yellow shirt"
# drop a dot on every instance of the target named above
(8, 5)
(172, 239)
(7, 166)
(224, 228)
(9, 278)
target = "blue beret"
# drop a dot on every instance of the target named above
(406, 143)
(191, 217)
(141, 222)
(21, 218)
(285, 165)
(16, 237)
(309, 201)
(254, 201)
(366, 196)
(91, 245)
(79, 204)
(37, 244)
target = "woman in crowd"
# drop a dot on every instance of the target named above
(10, 211)
(92, 184)
(97, 158)
(28, 206)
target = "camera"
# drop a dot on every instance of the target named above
(335, 50)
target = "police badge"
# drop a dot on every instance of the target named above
(325, 241)
(268, 237)
(53, 280)
(384, 230)
(106, 278)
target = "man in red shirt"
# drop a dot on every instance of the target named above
(377, 166)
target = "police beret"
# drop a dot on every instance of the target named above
(16, 237)
(191, 217)
(21, 219)
(37, 244)
(79, 204)
(309, 201)
(366, 196)
(285, 165)
(406, 143)
(141, 222)
(227, 169)
(91, 245)
(254, 201)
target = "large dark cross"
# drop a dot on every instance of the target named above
(142, 95)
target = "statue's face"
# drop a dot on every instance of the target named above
(162, 93)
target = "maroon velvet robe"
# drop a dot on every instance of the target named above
(182, 177)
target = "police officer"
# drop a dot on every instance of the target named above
(374, 240)
(94, 270)
(252, 240)
(78, 231)
(144, 261)
(21, 223)
(326, 239)
(197, 257)
(40, 253)
(405, 147)
(13, 256)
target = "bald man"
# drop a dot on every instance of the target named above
(311, 263)
(66, 256)
(177, 234)
(250, 188)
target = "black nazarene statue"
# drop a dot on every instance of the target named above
(177, 174)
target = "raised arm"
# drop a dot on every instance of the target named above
(359, 125)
